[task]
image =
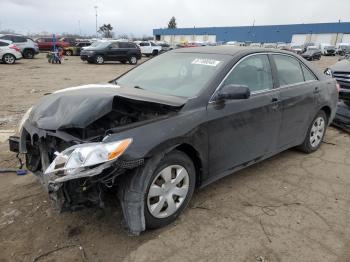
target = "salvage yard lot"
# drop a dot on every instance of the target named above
(292, 207)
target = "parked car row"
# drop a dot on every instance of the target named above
(27, 46)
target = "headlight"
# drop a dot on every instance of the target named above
(328, 72)
(24, 118)
(76, 158)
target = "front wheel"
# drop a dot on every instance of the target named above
(133, 60)
(315, 133)
(170, 189)
(68, 53)
(99, 60)
(9, 59)
(164, 185)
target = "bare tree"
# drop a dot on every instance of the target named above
(106, 30)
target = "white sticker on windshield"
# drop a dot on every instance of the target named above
(205, 61)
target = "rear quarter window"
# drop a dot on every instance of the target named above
(308, 75)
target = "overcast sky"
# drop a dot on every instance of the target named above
(140, 17)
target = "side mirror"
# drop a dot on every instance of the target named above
(231, 92)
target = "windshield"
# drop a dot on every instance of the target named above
(178, 74)
(100, 44)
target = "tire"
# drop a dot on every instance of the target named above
(9, 59)
(133, 60)
(99, 60)
(315, 133)
(29, 54)
(135, 190)
(147, 55)
(347, 103)
(68, 53)
(155, 53)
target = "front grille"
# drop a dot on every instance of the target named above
(343, 77)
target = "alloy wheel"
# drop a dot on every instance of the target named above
(99, 60)
(133, 60)
(9, 59)
(317, 131)
(168, 191)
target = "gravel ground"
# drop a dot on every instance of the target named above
(292, 207)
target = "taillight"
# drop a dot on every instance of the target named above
(338, 87)
(14, 47)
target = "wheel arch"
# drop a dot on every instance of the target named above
(327, 110)
(193, 154)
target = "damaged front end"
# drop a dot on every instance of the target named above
(63, 140)
(75, 173)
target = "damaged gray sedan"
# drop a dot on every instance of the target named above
(175, 123)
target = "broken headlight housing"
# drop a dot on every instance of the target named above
(77, 158)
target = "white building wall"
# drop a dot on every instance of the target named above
(346, 38)
(299, 39)
(178, 39)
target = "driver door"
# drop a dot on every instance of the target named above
(245, 130)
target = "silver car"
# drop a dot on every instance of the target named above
(27, 46)
(9, 52)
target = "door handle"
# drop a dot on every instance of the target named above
(316, 90)
(274, 101)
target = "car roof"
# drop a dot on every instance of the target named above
(228, 50)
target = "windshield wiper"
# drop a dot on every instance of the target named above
(138, 87)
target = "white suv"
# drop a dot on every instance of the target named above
(9, 53)
(28, 47)
(149, 48)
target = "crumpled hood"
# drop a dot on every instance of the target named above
(77, 107)
(342, 66)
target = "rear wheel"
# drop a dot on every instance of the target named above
(68, 52)
(155, 53)
(9, 59)
(99, 60)
(28, 54)
(315, 133)
(133, 60)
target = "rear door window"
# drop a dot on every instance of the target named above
(289, 71)
(253, 72)
(3, 44)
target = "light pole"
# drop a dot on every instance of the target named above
(96, 17)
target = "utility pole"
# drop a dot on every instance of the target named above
(79, 28)
(96, 17)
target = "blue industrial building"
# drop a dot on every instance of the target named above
(263, 34)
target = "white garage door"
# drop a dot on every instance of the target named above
(324, 38)
(299, 39)
(346, 38)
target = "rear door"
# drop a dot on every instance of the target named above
(244, 130)
(298, 88)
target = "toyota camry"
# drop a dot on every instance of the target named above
(173, 124)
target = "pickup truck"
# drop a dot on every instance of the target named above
(149, 48)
